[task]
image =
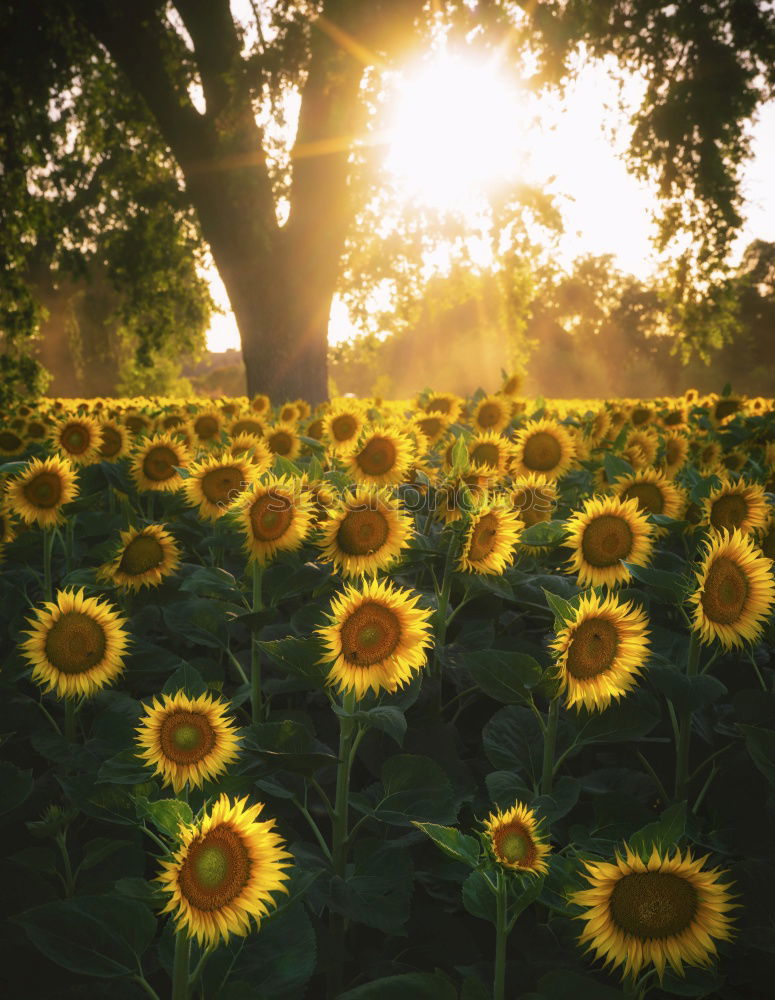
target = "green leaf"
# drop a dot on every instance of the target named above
(686, 693)
(387, 718)
(378, 888)
(454, 843)
(668, 587)
(125, 768)
(760, 744)
(562, 984)
(460, 457)
(100, 848)
(286, 746)
(410, 986)
(167, 815)
(479, 895)
(299, 657)
(91, 935)
(563, 610)
(212, 582)
(198, 620)
(544, 533)
(186, 678)
(285, 467)
(413, 788)
(616, 467)
(664, 832)
(16, 785)
(630, 719)
(513, 741)
(502, 674)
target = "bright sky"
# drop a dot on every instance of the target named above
(605, 209)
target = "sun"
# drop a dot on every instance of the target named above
(454, 130)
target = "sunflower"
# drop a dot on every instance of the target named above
(600, 652)
(543, 446)
(446, 404)
(36, 429)
(216, 483)
(155, 463)
(640, 448)
(666, 910)
(741, 505)
(382, 457)
(115, 441)
(535, 498)
(512, 385)
(600, 427)
(342, 425)
(489, 453)
(187, 740)
(767, 538)
(725, 408)
(289, 414)
(455, 496)
(76, 645)
(736, 592)
(604, 534)
(492, 413)
(41, 490)
(366, 533)
(253, 449)
(432, 425)
(315, 429)
(11, 442)
(676, 453)
(137, 423)
(260, 404)
(207, 426)
(276, 515)
(79, 439)
(7, 531)
(708, 455)
(283, 440)
(224, 872)
(514, 840)
(247, 425)
(377, 638)
(675, 418)
(655, 493)
(145, 557)
(491, 539)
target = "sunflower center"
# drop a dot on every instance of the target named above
(438, 406)
(362, 532)
(10, 441)
(640, 415)
(141, 554)
(607, 539)
(430, 426)
(44, 490)
(653, 904)
(281, 443)
(370, 634)
(542, 452)
(206, 428)
(35, 429)
(489, 415)
(592, 649)
(343, 427)
(222, 485)
(75, 439)
(159, 464)
(247, 427)
(725, 591)
(135, 423)
(673, 452)
(514, 845)
(216, 870)
(486, 454)
(186, 737)
(728, 512)
(111, 442)
(648, 495)
(75, 643)
(483, 537)
(270, 517)
(378, 457)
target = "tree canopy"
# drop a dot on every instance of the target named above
(179, 110)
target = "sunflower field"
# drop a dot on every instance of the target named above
(446, 698)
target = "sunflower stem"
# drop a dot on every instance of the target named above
(180, 967)
(48, 548)
(70, 720)
(550, 744)
(255, 650)
(339, 838)
(685, 726)
(499, 978)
